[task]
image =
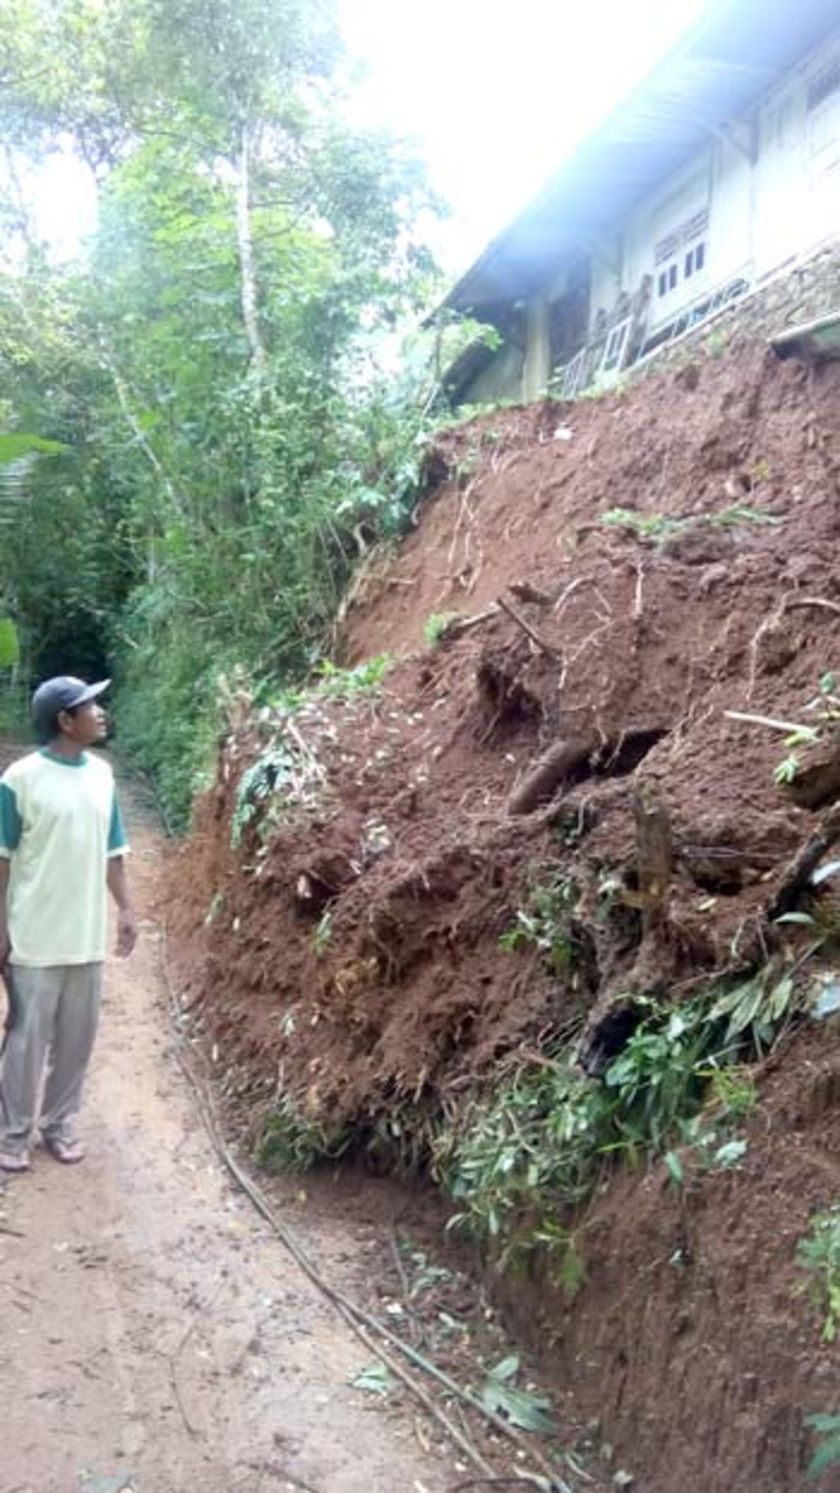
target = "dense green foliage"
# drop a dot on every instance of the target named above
(211, 368)
(524, 1156)
(521, 1159)
(818, 1253)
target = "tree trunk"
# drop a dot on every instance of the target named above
(245, 246)
(141, 440)
(541, 783)
(796, 877)
(654, 852)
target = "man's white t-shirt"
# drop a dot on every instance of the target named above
(59, 824)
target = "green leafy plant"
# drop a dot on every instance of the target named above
(827, 1453)
(341, 684)
(261, 784)
(819, 1255)
(787, 770)
(743, 513)
(660, 526)
(522, 1155)
(570, 829)
(716, 343)
(660, 1078)
(522, 1407)
(645, 525)
(213, 912)
(424, 1274)
(376, 1379)
(9, 644)
(547, 923)
(734, 1092)
(821, 924)
(222, 435)
(523, 1158)
(520, 1161)
(753, 1008)
(826, 706)
(291, 1142)
(709, 1152)
(15, 445)
(437, 626)
(285, 776)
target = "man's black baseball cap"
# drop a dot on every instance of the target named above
(62, 693)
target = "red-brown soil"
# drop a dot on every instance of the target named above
(352, 960)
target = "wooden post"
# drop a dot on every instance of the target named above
(654, 856)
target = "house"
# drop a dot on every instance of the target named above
(719, 172)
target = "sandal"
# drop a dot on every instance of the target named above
(14, 1161)
(68, 1152)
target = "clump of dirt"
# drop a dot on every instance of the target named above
(616, 578)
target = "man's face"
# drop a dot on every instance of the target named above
(85, 725)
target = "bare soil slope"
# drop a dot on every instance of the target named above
(668, 555)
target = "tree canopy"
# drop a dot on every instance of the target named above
(215, 424)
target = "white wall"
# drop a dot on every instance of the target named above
(730, 220)
(683, 200)
(607, 267)
(764, 191)
(604, 288)
(766, 206)
(798, 171)
(797, 175)
(780, 196)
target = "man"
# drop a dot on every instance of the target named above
(61, 843)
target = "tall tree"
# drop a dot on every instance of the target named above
(208, 365)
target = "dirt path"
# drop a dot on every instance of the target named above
(155, 1338)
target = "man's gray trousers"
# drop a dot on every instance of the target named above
(53, 1014)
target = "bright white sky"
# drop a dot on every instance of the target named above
(496, 93)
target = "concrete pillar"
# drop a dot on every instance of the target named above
(537, 367)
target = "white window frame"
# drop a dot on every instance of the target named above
(614, 348)
(571, 380)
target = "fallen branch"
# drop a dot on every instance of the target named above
(771, 722)
(654, 850)
(124, 400)
(544, 647)
(460, 625)
(788, 603)
(497, 1482)
(463, 506)
(771, 621)
(553, 766)
(568, 591)
(637, 601)
(797, 876)
(812, 601)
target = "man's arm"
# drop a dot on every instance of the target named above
(11, 829)
(126, 921)
(5, 946)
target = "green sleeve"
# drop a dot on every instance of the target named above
(11, 824)
(117, 840)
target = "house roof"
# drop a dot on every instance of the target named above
(724, 65)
